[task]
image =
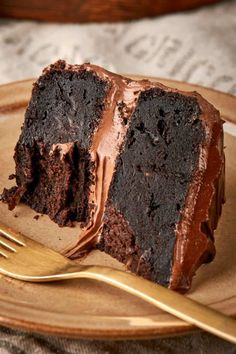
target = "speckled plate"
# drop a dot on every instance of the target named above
(89, 309)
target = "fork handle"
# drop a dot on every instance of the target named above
(168, 300)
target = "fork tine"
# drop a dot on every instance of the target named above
(5, 251)
(6, 243)
(3, 254)
(12, 235)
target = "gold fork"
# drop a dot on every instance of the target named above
(24, 259)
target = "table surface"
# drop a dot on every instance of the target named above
(197, 46)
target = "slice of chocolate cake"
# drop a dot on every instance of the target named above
(139, 165)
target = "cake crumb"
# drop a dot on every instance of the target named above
(15, 216)
(12, 176)
(36, 217)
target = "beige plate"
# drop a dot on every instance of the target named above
(89, 309)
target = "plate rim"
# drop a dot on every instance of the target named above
(111, 334)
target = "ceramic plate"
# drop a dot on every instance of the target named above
(89, 309)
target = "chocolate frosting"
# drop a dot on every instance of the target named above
(194, 233)
(63, 149)
(106, 144)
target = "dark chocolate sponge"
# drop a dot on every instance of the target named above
(65, 107)
(154, 172)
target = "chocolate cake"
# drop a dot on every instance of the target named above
(139, 165)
